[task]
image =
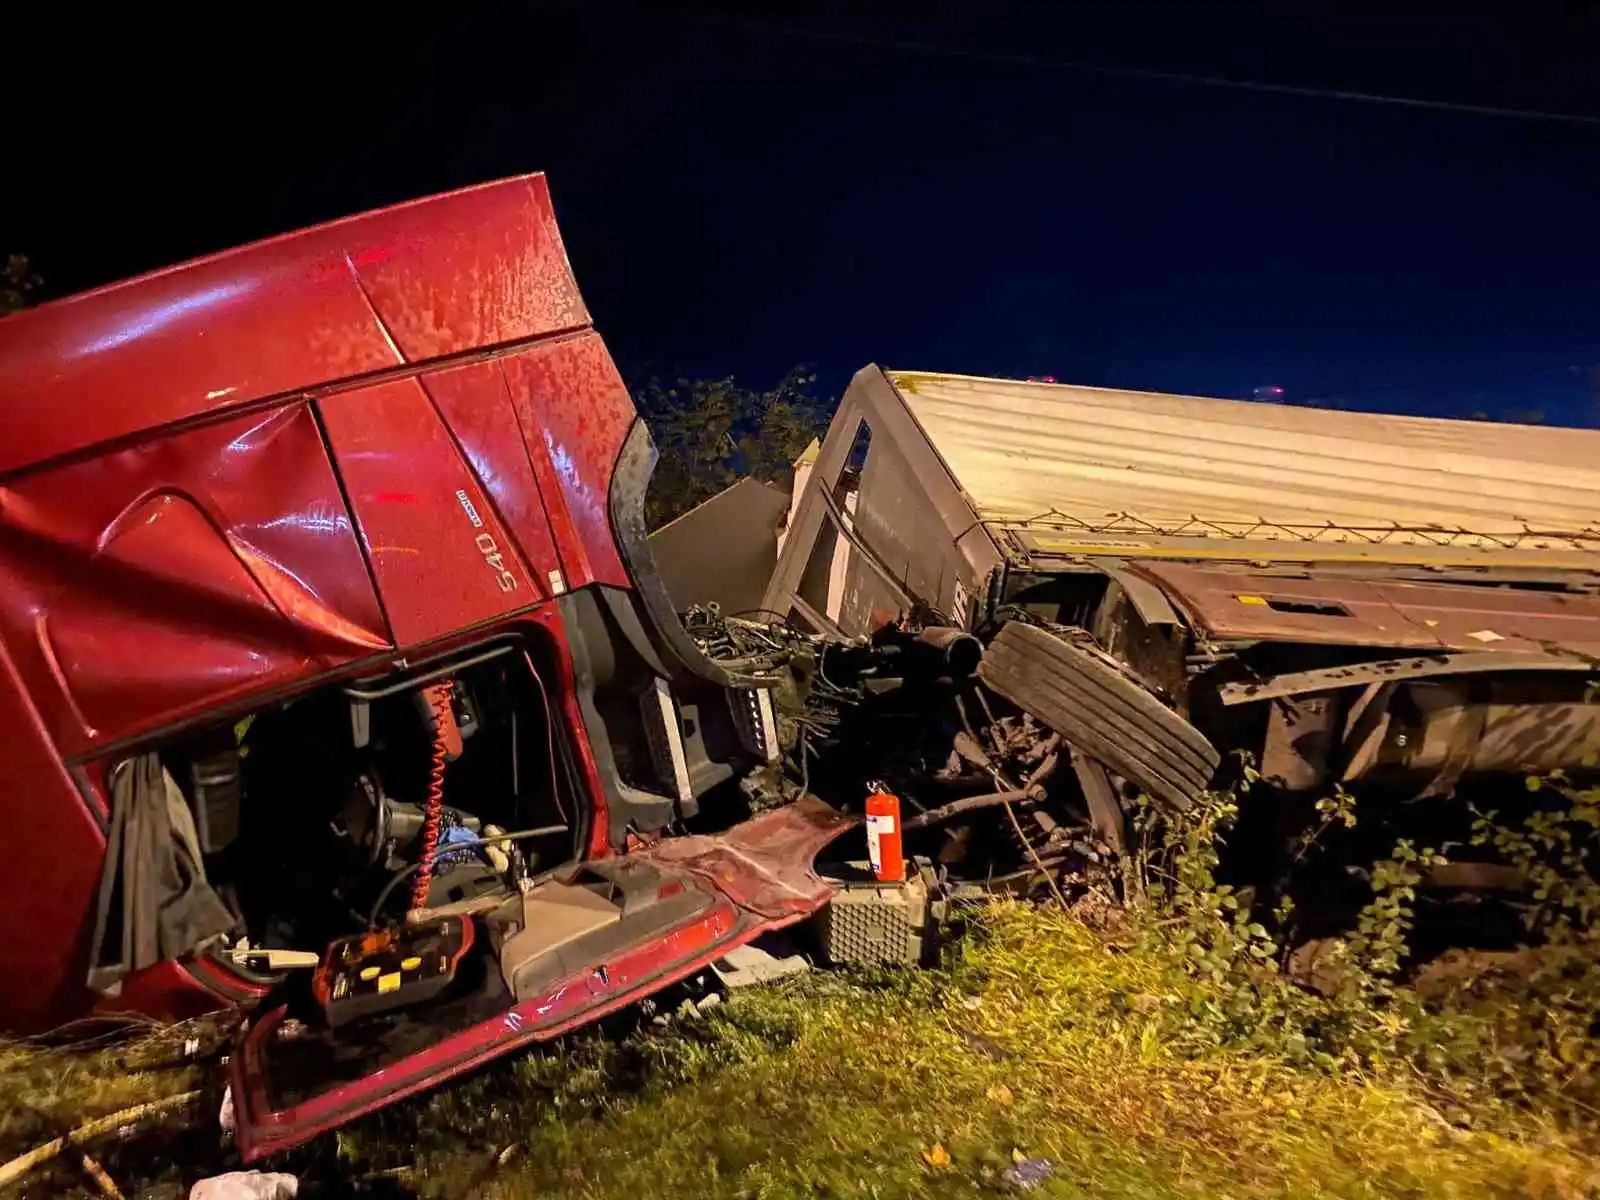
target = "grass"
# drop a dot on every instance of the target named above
(47, 1091)
(1041, 1038)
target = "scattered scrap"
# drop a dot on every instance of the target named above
(752, 965)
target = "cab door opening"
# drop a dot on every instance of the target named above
(311, 820)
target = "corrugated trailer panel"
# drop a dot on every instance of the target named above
(1035, 455)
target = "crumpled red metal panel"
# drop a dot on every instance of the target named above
(764, 864)
(162, 580)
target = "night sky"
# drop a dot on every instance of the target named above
(939, 187)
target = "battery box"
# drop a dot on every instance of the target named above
(869, 923)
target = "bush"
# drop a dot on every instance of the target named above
(1514, 1028)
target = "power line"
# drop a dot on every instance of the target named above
(1149, 74)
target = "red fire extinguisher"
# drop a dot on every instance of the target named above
(883, 836)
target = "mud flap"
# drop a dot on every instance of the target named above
(1085, 697)
(291, 1084)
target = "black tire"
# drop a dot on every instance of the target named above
(1101, 712)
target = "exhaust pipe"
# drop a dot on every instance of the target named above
(960, 650)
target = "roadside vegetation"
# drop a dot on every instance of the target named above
(1159, 1050)
(710, 433)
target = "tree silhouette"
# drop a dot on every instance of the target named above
(17, 284)
(712, 432)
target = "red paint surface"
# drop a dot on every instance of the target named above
(172, 577)
(178, 991)
(763, 865)
(572, 402)
(474, 403)
(471, 269)
(431, 558)
(173, 989)
(763, 873)
(48, 874)
(439, 276)
(563, 693)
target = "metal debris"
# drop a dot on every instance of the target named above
(750, 965)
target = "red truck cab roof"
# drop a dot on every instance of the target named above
(455, 273)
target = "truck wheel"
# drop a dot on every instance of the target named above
(1082, 694)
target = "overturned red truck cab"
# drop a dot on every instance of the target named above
(330, 639)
